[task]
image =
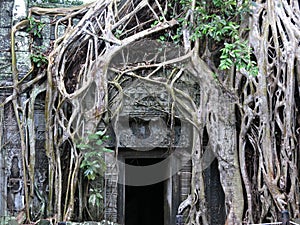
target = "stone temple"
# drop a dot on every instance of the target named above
(149, 180)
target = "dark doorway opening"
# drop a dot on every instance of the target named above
(214, 194)
(144, 205)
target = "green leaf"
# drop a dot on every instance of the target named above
(106, 137)
(229, 62)
(99, 196)
(99, 142)
(92, 199)
(155, 23)
(107, 150)
(83, 146)
(90, 174)
(162, 38)
(93, 137)
(87, 172)
(83, 164)
(118, 32)
(100, 133)
(96, 166)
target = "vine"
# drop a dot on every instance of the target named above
(35, 27)
(251, 121)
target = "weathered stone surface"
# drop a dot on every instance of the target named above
(44, 222)
(151, 133)
(5, 63)
(22, 41)
(6, 13)
(4, 39)
(19, 11)
(12, 222)
(46, 32)
(5, 80)
(61, 30)
(84, 223)
(144, 116)
(23, 63)
(111, 176)
(12, 154)
(41, 159)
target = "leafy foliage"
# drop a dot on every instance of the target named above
(216, 25)
(219, 21)
(39, 58)
(93, 164)
(35, 27)
(95, 197)
(237, 54)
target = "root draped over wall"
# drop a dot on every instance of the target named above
(251, 121)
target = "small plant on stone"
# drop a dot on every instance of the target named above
(35, 27)
(38, 58)
(93, 163)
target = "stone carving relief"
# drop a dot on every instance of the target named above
(144, 120)
(11, 151)
(13, 168)
(14, 186)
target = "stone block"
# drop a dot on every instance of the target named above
(4, 39)
(12, 138)
(5, 80)
(8, 220)
(91, 223)
(23, 62)
(44, 222)
(46, 30)
(6, 13)
(4, 93)
(12, 222)
(61, 30)
(75, 21)
(5, 63)
(71, 223)
(22, 41)
(19, 11)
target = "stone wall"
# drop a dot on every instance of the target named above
(11, 174)
(11, 186)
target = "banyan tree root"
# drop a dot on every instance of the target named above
(252, 122)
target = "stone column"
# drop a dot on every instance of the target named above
(5, 80)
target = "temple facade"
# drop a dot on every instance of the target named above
(143, 184)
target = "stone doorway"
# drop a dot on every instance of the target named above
(154, 203)
(144, 204)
